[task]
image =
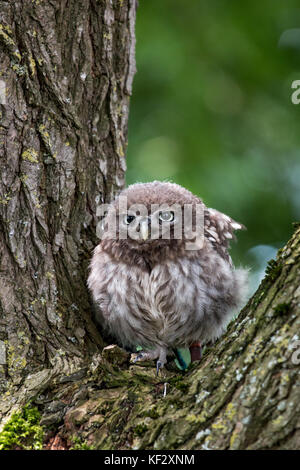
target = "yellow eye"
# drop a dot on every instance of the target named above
(166, 216)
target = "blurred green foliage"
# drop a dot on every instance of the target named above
(211, 110)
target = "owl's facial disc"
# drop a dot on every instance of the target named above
(154, 216)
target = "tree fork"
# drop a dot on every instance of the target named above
(243, 395)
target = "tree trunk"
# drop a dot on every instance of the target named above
(68, 69)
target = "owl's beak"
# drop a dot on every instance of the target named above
(145, 229)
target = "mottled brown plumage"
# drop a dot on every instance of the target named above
(155, 292)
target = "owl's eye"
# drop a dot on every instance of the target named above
(128, 219)
(166, 216)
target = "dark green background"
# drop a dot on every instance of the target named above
(211, 110)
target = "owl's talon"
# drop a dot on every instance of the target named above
(139, 357)
(159, 365)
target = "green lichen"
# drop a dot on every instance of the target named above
(15, 360)
(4, 35)
(230, 411)
(220, 425)
(7, 28)
(30, 155)
(23, 178)
(45, 135)
(5, 199)
(17, 55)
(32, 65)
(120, 150)
(23, 431)
(20, 70)
(234, 439)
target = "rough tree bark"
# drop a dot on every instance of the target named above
(68, 68)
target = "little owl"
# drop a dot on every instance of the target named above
(161, 276)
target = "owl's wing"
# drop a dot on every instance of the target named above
(219, 230)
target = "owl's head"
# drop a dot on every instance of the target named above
(156, 214)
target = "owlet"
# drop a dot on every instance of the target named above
(161, 276)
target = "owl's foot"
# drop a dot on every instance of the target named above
(159, 353)
(162, 359)
(141, 356)
(159, 365)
